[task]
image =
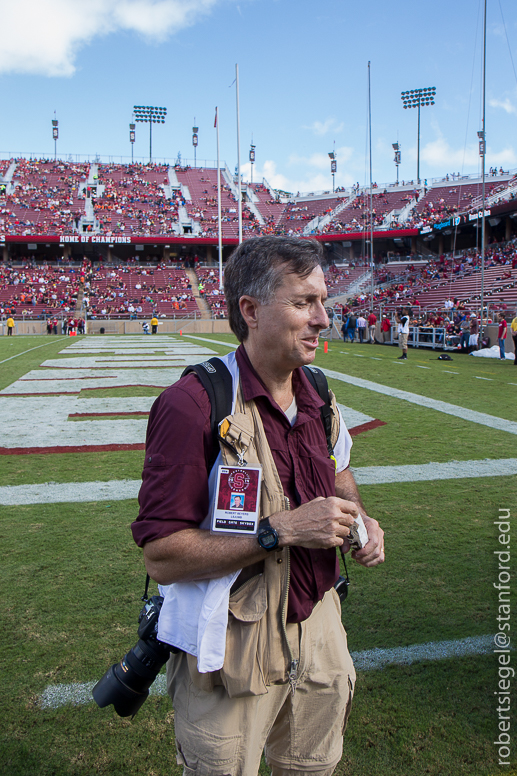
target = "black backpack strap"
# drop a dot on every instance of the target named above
(319, 382)
(217, 381)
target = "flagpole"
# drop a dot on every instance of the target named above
(482, 300)
(371, 183)
(219, 224)
(238, 153)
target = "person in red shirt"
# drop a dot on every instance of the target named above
(385, 328)
(372, 320)
(501, 336)
(275, 292)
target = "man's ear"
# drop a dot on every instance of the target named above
(248, 306)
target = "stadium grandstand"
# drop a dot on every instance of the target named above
(135, 240)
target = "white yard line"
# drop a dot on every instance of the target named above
(29, 350)
(451, 470)
(482, 418)
(56, 695)
(217, 342)
(119, 490)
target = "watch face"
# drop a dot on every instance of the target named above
(268, 539)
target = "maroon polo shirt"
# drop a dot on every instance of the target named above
(174, 491)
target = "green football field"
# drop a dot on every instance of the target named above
(437, 474)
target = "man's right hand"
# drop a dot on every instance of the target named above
(320, 524)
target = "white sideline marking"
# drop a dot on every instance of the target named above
(29, 350)
(490, 379)
(482, 418)
(216, 342)
(422, 367)
(74, 381)
(56, 695)
(451, 470)
(119, 490)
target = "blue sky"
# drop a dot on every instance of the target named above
(303, 82)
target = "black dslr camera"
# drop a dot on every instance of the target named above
(126, 684)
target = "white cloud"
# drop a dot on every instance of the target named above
(506, 105)
(321, 161)
(439, 155)
(321, 128)
(43, 36)
(302, 181)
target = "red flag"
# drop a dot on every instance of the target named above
(215, 120)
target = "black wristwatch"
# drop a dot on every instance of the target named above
(267, 536)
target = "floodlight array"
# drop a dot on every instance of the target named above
(415, 98)
(150, 114)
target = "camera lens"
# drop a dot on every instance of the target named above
(126, 684)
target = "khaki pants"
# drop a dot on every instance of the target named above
(302, 732)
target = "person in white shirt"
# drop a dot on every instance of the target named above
(361, 327)
(402, 320)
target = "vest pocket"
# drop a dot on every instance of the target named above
(245, 668)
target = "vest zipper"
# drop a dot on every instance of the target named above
(293, 664)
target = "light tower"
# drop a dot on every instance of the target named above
(417, 98)
(252, 157)
(195, 141)
(397, 159)
(333, 166)
(150, 115)
(132, 138)
(55, 134)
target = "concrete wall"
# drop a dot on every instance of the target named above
(128, 327)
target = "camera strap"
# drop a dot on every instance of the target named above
(145, 596)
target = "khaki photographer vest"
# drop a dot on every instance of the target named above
(257, 649)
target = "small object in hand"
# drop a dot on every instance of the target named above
(358, 537)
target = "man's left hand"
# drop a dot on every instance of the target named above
(373, 552)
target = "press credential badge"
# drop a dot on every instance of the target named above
(237, 500)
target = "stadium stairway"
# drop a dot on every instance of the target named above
(204, 309)
(319, 222)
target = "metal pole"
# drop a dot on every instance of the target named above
(371, 183)
(483, 174)
(418, 146)
(150, 140)
(239, 189)
(219, 225)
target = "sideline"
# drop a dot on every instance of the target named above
(119, 490)
(58, 339)
(80, 693)
(510, 426)
(216, 342)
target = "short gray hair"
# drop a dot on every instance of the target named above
(257, 268)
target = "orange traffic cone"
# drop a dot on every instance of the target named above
(326, 347)
(181, 333)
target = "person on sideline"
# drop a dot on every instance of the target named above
(501, 336)
(402, 321)
(267, 667)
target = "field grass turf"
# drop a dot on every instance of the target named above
(72, 579)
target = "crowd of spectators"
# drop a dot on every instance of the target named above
(48, 197)
(33, 292)
(45, 198)
(131, 199)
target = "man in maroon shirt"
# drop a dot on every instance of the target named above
(275, 294)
